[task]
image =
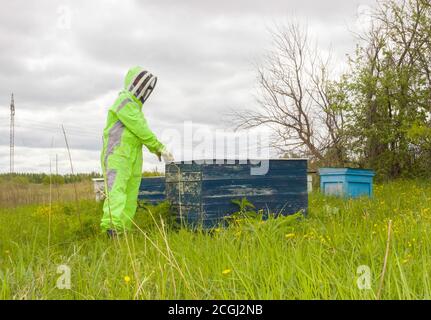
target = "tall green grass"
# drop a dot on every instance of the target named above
(287, 258)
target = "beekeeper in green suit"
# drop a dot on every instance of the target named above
(125, 133)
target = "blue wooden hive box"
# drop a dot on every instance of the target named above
(346, 182)
(201, 194)
(152, 190)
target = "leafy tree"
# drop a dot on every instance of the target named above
(390, 90)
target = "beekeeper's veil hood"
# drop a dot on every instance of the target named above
(140, 83)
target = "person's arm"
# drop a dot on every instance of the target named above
(134, 120)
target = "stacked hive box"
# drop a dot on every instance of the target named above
(201, 193)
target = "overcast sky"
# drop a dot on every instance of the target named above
(65, 61)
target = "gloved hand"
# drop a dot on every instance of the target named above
(166, 156)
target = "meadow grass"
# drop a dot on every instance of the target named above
(316, 257)
(13, 194)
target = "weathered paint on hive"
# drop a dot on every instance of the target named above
(152, 190)
(203, 193)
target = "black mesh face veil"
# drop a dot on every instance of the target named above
(143, 84)
(137, 80)
(149, 90)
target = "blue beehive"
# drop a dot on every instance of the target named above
(346, 182)
(152, 190)
(201, 194)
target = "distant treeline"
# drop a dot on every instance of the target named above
(43, 178)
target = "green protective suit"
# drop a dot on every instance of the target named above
(125, 133)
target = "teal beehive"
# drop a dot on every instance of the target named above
(346, 182)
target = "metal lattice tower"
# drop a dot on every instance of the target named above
(12, 133)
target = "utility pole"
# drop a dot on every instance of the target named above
(12, 134)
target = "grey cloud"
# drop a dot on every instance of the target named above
(202, 51)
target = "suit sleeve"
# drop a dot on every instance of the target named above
(134, 120)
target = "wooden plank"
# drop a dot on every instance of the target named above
(184, 176)
(183, 167)
(244, 172)
(241, 186)
(152, 190)
(270, 200)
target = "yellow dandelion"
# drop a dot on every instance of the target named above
(226, 272)
(127, 279)
(290, 235)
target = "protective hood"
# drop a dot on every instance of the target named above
(140, 83)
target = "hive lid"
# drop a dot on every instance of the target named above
(233, 161)
(153, 177)
(346, 171)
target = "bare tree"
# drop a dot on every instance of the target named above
(295, 97)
